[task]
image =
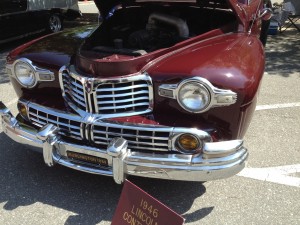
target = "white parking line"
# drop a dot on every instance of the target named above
(285, 175)
(278, 106)
(86, 3)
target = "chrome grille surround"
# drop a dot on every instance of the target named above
(68, 124)
(107, 97)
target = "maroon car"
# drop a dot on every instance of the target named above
(161, 89)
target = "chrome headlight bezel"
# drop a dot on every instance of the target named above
(38, 74)
(218, 97)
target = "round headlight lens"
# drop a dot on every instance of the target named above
(25, 74)
(193, 97)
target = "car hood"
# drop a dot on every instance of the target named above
(244, 9)
(105, 6)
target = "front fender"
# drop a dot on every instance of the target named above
(49, 52)
(232, 61)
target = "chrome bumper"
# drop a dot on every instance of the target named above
(218, 160)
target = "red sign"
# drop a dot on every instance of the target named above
(136, 207)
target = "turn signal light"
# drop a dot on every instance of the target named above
(23, 110)
(188, 143)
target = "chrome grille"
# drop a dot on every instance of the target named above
(139, 138)
(68, 127)
(129, 95)
(122, 97)
(74, 90)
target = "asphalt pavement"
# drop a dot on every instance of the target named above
(266, 192)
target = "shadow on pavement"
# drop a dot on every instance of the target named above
(283, 54)
(25, 180)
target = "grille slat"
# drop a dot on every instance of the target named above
(123, 88)
(78, 92)
(122, 106)
(146, 93)
(123, 101)
(82, 103)
(136, 143)
(135, 147)
(75, 84)
(146, 148)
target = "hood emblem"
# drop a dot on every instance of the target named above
(88, 85)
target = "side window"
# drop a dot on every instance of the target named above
(12, 6)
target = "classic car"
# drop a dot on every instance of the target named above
(21, 18)
(160, 89)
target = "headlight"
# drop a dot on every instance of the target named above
(193, 96)
(25, 74)
(197, 94)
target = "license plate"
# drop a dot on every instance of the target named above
(87, 158)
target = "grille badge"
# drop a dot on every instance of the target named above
(88, 85)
